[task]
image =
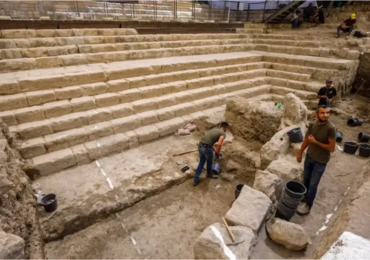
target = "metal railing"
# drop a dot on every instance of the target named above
(228, 11)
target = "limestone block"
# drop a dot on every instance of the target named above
(99, 130)
(122, 125)
(147, 118)
(324, 52)
(107, 145)
(45, 33)
(58, 108)
(145, 105)
(33, 147)
(249, 209)
(215, 243)
(170, 126)
(35, 52)
(48, 62)
(82, 104)
(8, 117)
(268, 183)
(165, 113)
(153, 79)
(13, 102)
(13, 34)
(130, 95)
(353, 55)
(85, 32)
(183, 109)
(187, 74)
(70, 121)
(296, 85)
(156, 90)
(74, 59)
(121, 110)
(41, 82)
(208, 103)
(279, 144)
(99, 115)
(166, 101)
(80, 153)
(290, 235)
(286, 170)
(193, 84)
(33, 129)
(96, 57)
(9, 86)
(80, 78)
(13, 54)
(29, 114)
(68, 93)
(12, 246)
(137, 82)
(168, 77)
(178, 86)
(40, 97)
(184, 97)
(147, 133)
(65, 139)
(118, 85)
(13, 65)
(133, 139)
(55, 161)
(107, 99)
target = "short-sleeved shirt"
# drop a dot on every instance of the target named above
(350, 22)
(322, 134)
(329, 92)
(212, 136)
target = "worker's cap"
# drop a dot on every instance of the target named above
(353, 16)
(329, 81)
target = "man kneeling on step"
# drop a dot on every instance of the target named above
(320, 140)
(206, 149)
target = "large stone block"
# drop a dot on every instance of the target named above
(170, 126)
(11, 246)
(249, 209)
(58, 108)
(55, 161)
(147, 133)
(122, 125)
(48, 62)
(107, 99)
(13, 102)
(118, 85)
(68, 93)
(80, 153)
(286, 170)
(61, 140)
(268, 183)
(40, 97)
(121, 110)
(80, 78)
(290, 235)
(130, 95)
(107, 145)
(9, 86)
(70, 121)
(17, 64)
(99, 115)
(8, 117)
(41, 82)
(33, 129)
(29, 114)
(14, 34)
(145, 105)
(82, 104)
(215, 243)
(97, 131)
(33, 147)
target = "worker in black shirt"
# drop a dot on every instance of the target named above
(327, 94)
(348, 25)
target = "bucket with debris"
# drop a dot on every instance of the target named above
(49, 202)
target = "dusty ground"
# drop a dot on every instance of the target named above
(167, 225)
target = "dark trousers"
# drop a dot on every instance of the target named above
(296, 23)
(313, 172)
(349, 29)
(205, 155)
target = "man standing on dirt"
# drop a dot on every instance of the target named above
(206, 149)
(320, 140)
(327, 94)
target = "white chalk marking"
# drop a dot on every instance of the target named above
(103, 172)
(110, 183)
(323, 228)
(226, 249)
(97, 164)
(116, 197)
(336, 208)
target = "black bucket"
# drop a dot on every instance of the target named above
(292, 195)
(364, 150)
(350, 147)
(49, 202)
(339, 136)
(295, 135)
(216, 168)
(238, 189)
(363, 138)
(354, 122)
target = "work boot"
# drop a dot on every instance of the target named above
(212, 176)
(303, 209)
(196, 183)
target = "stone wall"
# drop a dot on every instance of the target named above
(18, 214)
(363, 71)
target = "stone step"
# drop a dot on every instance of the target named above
(104, 39)
(297, 43)
(126, 136)
(249, 30)
(82, 59)
(41, 33)
(146, 86)
(106, 122)
(302, 94)
(38, 52)
(254, 26)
